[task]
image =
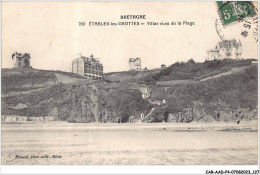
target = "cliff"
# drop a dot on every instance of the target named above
(229, 95)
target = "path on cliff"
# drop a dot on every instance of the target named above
(153, 103)
(65, 79)
(11, 94)
(177, 82)
(140, 121)
(232, 71)
(61, 78)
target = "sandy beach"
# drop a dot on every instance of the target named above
(61, 143)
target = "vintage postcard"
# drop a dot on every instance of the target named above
(129, 83)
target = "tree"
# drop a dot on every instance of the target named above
(191, 61)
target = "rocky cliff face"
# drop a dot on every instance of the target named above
(84, 104)
(79, 103)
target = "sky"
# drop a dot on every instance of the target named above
(50, 32)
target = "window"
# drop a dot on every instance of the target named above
(20, 59)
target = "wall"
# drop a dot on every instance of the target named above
(78, 66)
(14, 118)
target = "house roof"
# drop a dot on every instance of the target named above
(224, 43)
(91, 59)
(134, 59)
(20, 54)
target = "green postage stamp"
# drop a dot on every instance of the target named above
(232, 11)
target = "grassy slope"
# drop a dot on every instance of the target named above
(28, 79)
(25, 79)
(177, 71)
(129, 76)
(194, 71)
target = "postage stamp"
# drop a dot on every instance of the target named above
(232, 25)
(233, 11)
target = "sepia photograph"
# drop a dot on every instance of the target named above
(129, 83)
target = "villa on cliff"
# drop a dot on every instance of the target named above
(21, 60)
(135, 64)
(226, 49)
(88, 66)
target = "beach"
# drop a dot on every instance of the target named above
(62, 143)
